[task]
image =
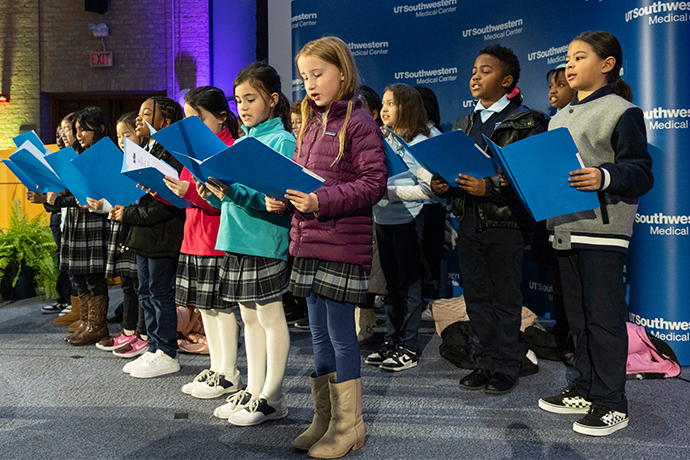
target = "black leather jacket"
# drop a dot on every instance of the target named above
(500, 207)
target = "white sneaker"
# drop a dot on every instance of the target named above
(137, 362)
(427, 315)
(235, 402)
(200, 379)
(259, 411)
(68, 309)
(160, 364)
(217, 385)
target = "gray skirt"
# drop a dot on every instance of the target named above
(246, 278)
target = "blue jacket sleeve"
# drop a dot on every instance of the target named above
(631, 174)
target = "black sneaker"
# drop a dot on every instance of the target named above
(379, 356)
(57, 307)
(568, 402)
(601, 421)
(400, 360)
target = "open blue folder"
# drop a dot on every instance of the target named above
(394, 163)
(252, 163)
(28, 182)
(538, 168)
(451, 154)
(100, 165)
(26, 158)
(61, 162)
(149, 174)
(191, 142)
(32, 137)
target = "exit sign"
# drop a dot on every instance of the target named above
(103, 59)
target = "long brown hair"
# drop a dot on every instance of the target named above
(412, 118)
(334, 51)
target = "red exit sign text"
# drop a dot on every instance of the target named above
(104, 59)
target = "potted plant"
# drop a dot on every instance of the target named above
(27, 256)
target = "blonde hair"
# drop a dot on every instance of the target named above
(334, 51)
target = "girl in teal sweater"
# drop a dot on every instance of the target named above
(254, 270)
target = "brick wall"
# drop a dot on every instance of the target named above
(45, 48)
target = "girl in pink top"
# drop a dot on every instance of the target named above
(197, 283)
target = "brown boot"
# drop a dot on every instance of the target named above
(72, 316)
(346, 429)
(96, 328)
(322, 412)
(83, 310)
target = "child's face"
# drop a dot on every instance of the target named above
(124, 131)
(296, 120)
(67, 133)
(321, 79)
(488, 84)
(84, 135)
(145, 113)
(252, 107)
(585, 71)
(389, 111)
(214, 123)
(560, 93)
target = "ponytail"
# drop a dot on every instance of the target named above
(621, 88)
(282, 110)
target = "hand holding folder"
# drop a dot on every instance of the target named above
(148, 171)
(100, 165)
(538, 168)
(450, 154)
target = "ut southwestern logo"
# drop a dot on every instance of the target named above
(422, 9)
(554, 54)
(304, 19)
(661, 324)
(661, 118)
(425, 77)
(665, 12)
(665, 225)
(368, 48)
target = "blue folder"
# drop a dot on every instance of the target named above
(28, 182)
(451, 154)
(27, 161)
(100, 165)
(61, 162)
(252, 163)
(32, 137)
(191, 142)
(394, 163)
(538, 168)
(151, 178)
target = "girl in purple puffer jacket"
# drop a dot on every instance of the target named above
(331, 237)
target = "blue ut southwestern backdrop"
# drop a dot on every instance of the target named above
(435, 43)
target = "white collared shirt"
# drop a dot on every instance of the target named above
(496, 107)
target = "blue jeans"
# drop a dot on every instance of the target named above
(334, 337)
(157, 298)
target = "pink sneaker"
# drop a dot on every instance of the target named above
(132, 349)
(113, 343)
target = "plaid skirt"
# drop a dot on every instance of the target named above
(339, 281)
(246, 278)
(119, 263)
(197, 283)
(84, 241)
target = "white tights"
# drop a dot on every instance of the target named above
(221, 335)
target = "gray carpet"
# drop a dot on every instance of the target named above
(64, 402)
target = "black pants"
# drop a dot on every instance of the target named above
(491, 269)
(594, 297)
(431, 228)
(94, 284)
(401, 264)
(132, 313)
(63, 286)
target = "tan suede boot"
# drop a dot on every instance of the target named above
(72, 316)
(96, 328)
(365, 322)
(346, 429)
(74, 326)
(322, 412)
(83, 310)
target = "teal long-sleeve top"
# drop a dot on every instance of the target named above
(246, 227)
